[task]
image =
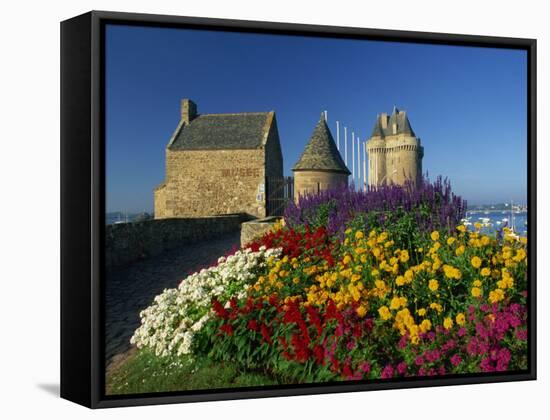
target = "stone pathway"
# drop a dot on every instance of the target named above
(131, 289)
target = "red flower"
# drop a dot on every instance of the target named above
(227, 329)
(266, 334)
(319, 354)
(273, 300)
(333, 313)
(314, 319)
(300, 348)
(219, 309)
(248, 307)
(253, 325)
(346, 371)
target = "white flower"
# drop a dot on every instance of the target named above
(168, 325)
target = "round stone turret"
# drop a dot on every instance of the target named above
(320, 167)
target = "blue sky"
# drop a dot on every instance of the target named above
(467, 104)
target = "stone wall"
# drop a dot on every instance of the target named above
(255, 228)
(129, 242)
(311, 182)
(209, 182)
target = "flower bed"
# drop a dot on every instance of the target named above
(169, 324)
(423, 208)
(378, 313)
(372, 295)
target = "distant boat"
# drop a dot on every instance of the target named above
(120, 221)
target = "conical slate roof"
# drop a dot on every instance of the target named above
(321, 153)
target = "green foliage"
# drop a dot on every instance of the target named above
(143, 372)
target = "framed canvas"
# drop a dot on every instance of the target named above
(254, 209)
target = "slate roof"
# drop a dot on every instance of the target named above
(221, 131)
(321, 153)
(399, 117)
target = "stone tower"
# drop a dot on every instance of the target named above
(395, 153)
(320, 167)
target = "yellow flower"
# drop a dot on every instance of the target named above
(523, 240)
(395, 303)
(436, 306)
(359, 235)
(476, 262)
(520, 255)
(346, 260)
(425, 325)
(460, 318)
(452, 272)
(380, 284)
(382, 237)
(461, 228)
(451, 240)
(361, 311)
(404, 256)
(506, 282)
(477, 225)
(460, 250)
(384, 313)
(433, 285)
(476, 292)
(400, 280)
(496, 295)
(295, 280)
(477, 283)
(448, 323)
(359, 250)
(435, 235)
(485, 271)
(485, 240)
(421, 311)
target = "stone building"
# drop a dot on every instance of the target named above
(395, 153)
(320, 167)
(219, 164)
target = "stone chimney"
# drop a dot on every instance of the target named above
(188, 110)
(384, 120)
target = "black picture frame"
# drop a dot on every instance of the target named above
(83, 203)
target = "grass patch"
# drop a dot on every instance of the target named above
(143, 372)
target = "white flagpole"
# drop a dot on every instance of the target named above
(353, 156)
(365, 166)
(326, 116)
(346, 145)
(358, 163)
(338, 135)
